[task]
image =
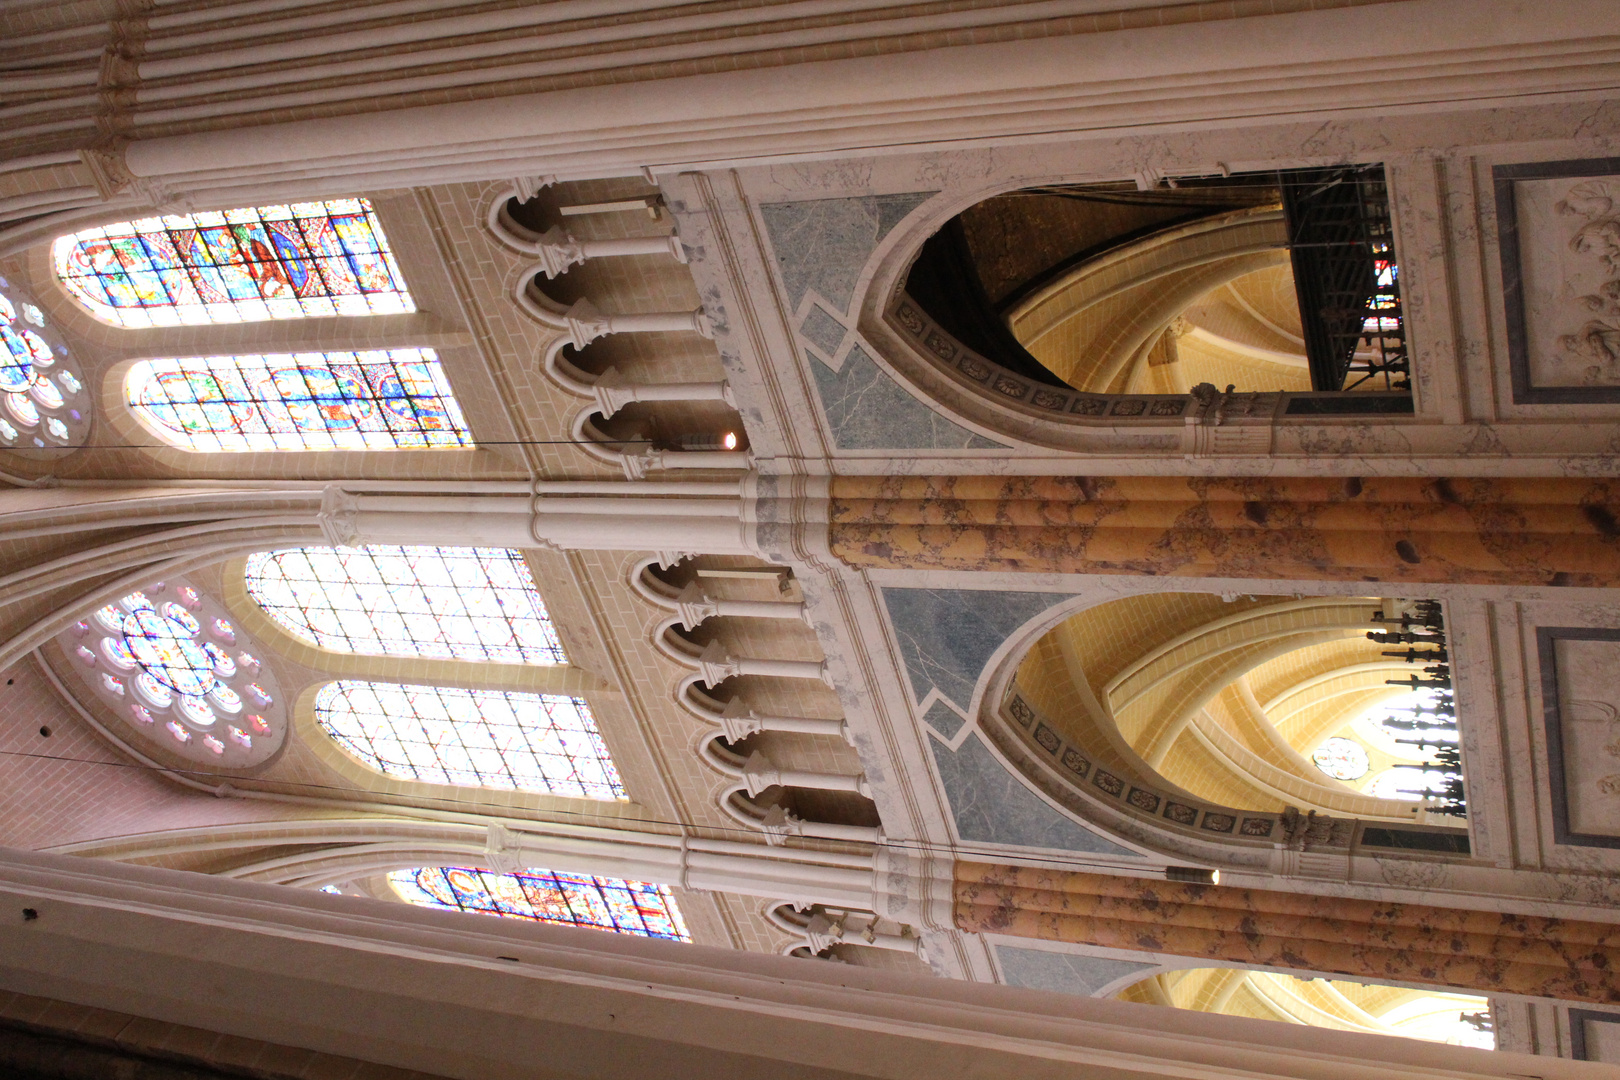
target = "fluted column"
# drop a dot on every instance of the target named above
(587, 522)
(287, 94)
(1389, 529)
(1485, 951)
(404, 985)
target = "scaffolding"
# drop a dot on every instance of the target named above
(1342, 246)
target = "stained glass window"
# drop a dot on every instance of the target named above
(1342, 759)
(168, 650)
(265, 262)
(40, 397)
(623, 907)
(480, 738)
(460, 603)
(395, 399)
(162, 660)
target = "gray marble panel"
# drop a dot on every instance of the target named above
(867, 410)
(1063, 973)
(1582, 713)
(947, 635)
(991, 805)
(822, 330)
(824, 244)
(944, 719)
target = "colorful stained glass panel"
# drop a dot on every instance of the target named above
(266, 262)
(459, 603)
(472, 738)
(622, 907)
(23, 354)
(394, 399)
(168, 652)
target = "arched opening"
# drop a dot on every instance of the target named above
(1339, 1004)
(1277, 282)
(1249, 717)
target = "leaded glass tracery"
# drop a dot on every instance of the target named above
(266, 262)
(42, 402)
(479, 738)
(462, 603)
(167, 660)
(394, 399)
(613, 904)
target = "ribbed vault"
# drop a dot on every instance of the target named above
(1225, 700)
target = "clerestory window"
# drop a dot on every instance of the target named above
(289, 261)
(478, 738)
(461, 603)
(394, 399)
(601, 903)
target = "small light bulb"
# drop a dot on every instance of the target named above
(729, 440)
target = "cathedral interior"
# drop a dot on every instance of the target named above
(810, 539)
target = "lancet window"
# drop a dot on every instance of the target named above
(612, 904)
(461, 603)
(481, 738)
(246, 265)
(394, 399)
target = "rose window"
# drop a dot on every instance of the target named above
(43, 403)
(172, 664)
(1342, 759)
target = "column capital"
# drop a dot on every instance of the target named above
(716, 665)
(558, 251)
(586, 323)
(695, 606)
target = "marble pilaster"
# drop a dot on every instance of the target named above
(1387, 529)
(1492, 952)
